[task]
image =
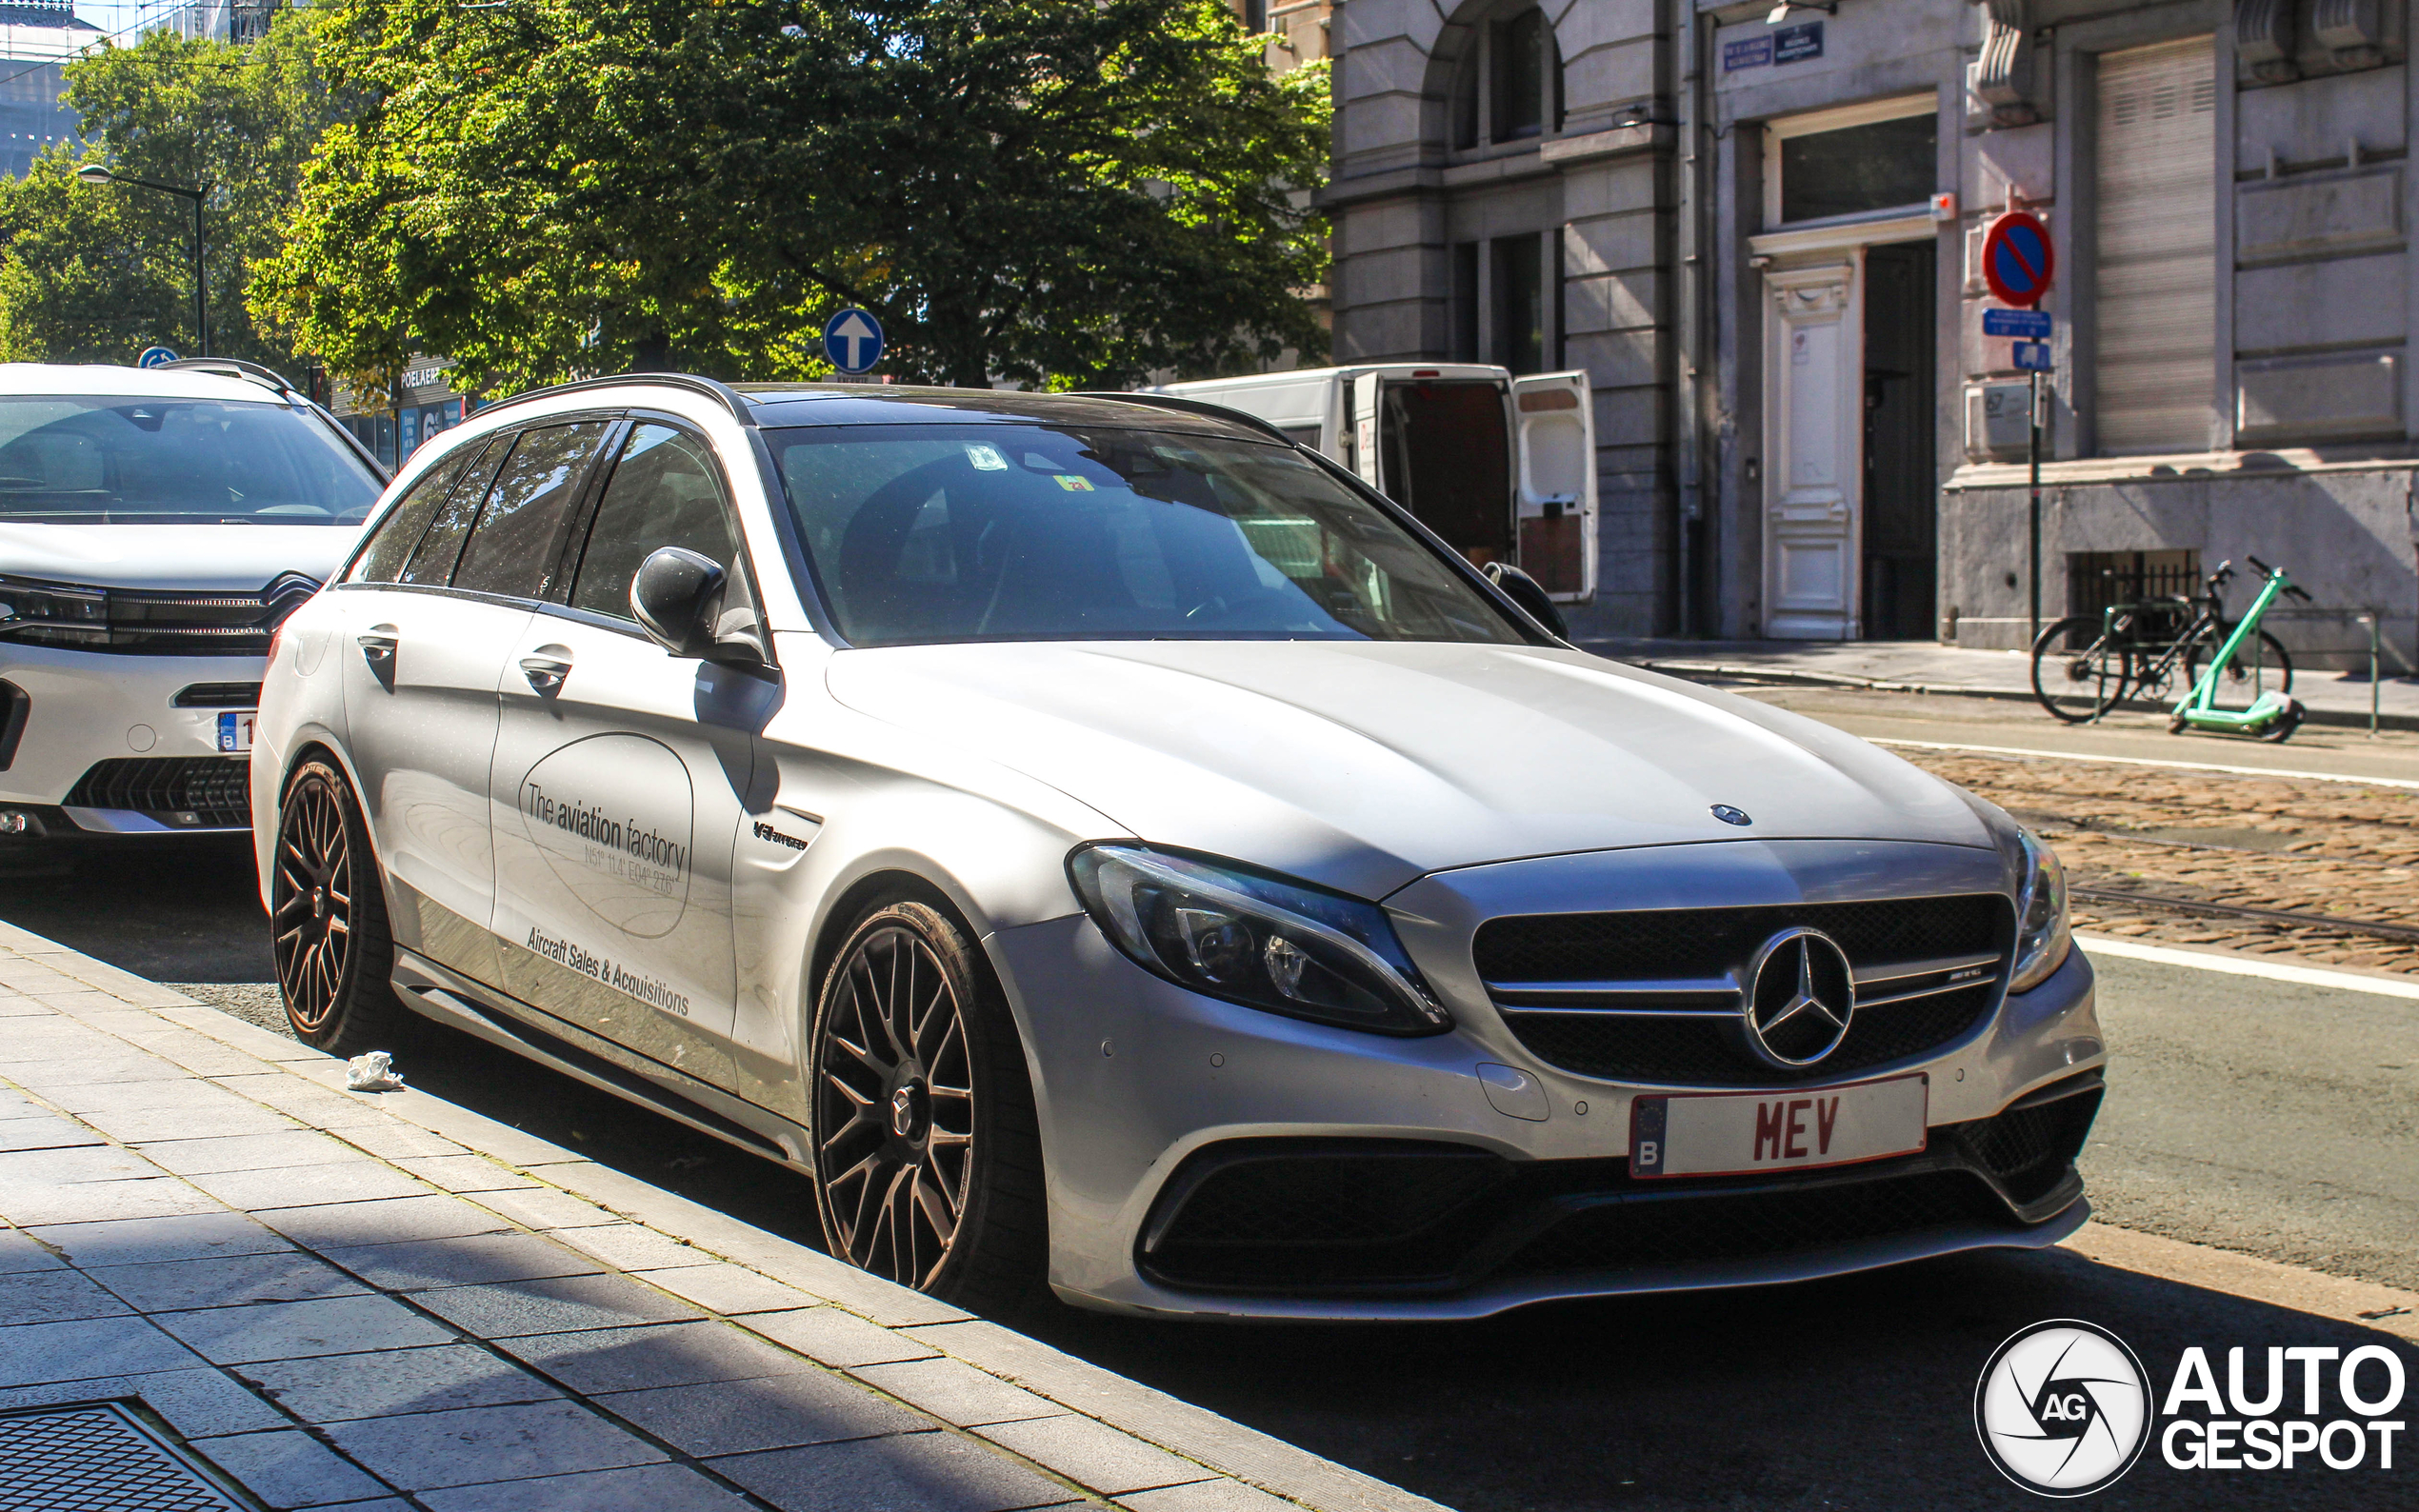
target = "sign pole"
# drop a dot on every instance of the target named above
(2033, 467)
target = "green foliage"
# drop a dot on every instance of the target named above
(1063, 192)
(97, 272)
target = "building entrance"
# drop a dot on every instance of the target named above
(1901, 502)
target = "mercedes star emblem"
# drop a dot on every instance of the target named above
(1801, 995)
(1731, 816)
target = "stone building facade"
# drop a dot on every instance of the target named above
(1758, 229)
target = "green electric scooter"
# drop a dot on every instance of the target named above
(2271, 715)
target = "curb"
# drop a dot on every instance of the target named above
(1698, 672)
(830, 1312)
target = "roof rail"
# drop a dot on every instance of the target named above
(1194, 406)
(730, 398)
(235, 368)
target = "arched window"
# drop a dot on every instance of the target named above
(1508, 86)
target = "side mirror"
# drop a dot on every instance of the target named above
(1530, 594)
(677, 597)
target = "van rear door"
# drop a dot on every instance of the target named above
(1557, 489)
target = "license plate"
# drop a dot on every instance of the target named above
(235, 730)
(1740, 1133)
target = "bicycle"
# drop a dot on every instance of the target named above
(2083, 665)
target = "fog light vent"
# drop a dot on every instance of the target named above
(98, 1457)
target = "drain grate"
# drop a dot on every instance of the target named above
(98, 1457)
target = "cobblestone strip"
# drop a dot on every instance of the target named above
(387, 1301)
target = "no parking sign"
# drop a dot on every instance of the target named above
(2017, 260)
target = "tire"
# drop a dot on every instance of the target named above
(2079, 672)
(922, 1117)
(328, 921)
(2245, 677)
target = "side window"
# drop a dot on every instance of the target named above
(391, 547)
(512, 549)
(433, 563)
(664, 491)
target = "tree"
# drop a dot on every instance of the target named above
(1054, 191)
(97, 272)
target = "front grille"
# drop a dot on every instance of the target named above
(1388, 1217)
(184, 792)
(1655, 995)
(147, 623)
(218, 695)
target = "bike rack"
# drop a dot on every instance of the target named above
(2377, 649)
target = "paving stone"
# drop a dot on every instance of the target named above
(246, 1152)
(226, 1281)
(682, 1354)
(463, 1173)
(956, 1392)
(177, 1092)
(546, 1207)
(472, 1446)
(728, 1289)
(36, 1171)
(394, 1140)
(18, 1252)
(388, 1383)
(67, 1079)
(1094, 1454)
(105, 1201)
(1207, 1495)
(391, 1220)
(53, 1295)
(838, 1337)
(45, 1132)
(141, 1124)
(924, 1472)
(356, 1180)
(639, 1488)
(196, 1402)
(289, 1469)
(778, 1412)
(33, 1353)
(551, 1304)
(630, 1247)
(314, 1104)
(476, 1258)
(292, 1330)
(139, 1240)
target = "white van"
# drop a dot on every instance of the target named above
(1503, 468)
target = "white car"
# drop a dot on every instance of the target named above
(156, 526)
(1102, 843)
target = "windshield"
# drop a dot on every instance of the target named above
(108, 461)
(991, 532)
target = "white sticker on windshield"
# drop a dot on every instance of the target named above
(986, 458)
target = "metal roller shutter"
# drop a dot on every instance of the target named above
(2157, 249)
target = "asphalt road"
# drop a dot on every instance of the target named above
(2261, 1117)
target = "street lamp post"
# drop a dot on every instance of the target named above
(95, 173)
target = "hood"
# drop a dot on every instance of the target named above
(1365, 765)
(216, 558)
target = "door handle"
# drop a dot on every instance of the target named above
(546, 673)
(378, 645)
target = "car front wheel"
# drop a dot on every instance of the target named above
(328, 920)
(928, 1163)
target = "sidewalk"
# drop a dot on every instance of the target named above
(386, 1301)
(1925, 666)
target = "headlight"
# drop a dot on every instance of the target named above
(2042, 938)
(1267, 945)
(53, 611)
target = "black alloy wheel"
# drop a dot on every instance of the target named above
(327, 918)
(927, 1159)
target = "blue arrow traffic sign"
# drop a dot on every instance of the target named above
(2029, 324)
(155, 356)
(852, 339)
(2033, 356)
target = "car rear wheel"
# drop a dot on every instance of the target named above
(328, 920)
(927, 1157)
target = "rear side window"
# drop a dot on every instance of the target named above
(432, 561)
(390, 547)
(513, 549)
(665, 491)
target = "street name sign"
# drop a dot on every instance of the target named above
(2027, 325)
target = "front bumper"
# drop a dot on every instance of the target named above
(164, 771)
(1141, 1087)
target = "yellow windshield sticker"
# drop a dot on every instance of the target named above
(1073, 483)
